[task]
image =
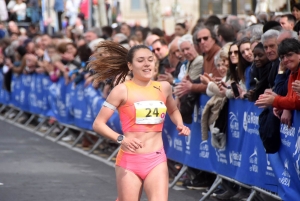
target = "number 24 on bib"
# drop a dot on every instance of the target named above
(150, 112)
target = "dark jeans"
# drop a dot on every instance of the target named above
(59, 14)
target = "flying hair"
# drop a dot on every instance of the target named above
(110, 61)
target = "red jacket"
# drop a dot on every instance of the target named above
(291, 101)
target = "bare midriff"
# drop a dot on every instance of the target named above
(151, 141)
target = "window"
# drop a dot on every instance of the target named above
(137, 5)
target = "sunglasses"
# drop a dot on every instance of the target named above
(157, 49)
(205, 38)
(235, 52)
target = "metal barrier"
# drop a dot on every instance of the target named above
(36, 129)
(255, 191)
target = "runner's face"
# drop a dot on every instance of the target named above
(142, 65)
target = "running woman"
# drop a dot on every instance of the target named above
(142, 105)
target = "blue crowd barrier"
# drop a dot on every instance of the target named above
(243, 159)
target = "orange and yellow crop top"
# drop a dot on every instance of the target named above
(144, 110)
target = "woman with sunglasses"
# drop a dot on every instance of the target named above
(245, 61)
(232, 75)
(142, 105)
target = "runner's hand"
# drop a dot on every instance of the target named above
(132, 144)
(183, 130)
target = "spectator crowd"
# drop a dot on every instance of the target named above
(228, 58)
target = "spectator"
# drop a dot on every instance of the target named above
(262, 66)
(161, 51)
(150, 39)
(225, 34)
(289, 51)
(107, 32)
(255, 30)
(91, 35)
(194, 69)
(3, 11)
(272, 25)
(3, 30)
(71, 10)
(207, 40)
(244, 64)
(59, 9)
(126, 30)
(18, 11)
(232, 75)
(175, 55)
(158, 32)
(45, 41)
(212, 21)
(139, 34)
(180, 29)
(32, 31)
(171, 73)
(262, 18)
(121, 39)
(269, 41)
(10, 6)
(296, 13)
(287, 21)
(222, 63)
(133, 41)
(34, 11)
(240, 34)
(195, 61)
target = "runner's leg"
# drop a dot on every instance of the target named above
(157, 182)
(129, 185)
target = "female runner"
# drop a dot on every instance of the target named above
(142, 105)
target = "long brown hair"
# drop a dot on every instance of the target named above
(243, 64)
(110, 61)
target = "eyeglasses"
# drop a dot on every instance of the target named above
(157, 49)
(235, 52)
(205, 38)
(287, 56)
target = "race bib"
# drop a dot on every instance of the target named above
(150, 112)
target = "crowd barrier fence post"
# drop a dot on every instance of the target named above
(2, 107)
(216, 183)
(78, 139)
(32, 116)
(114, 153)
(99, 141)
(61, 135)
(18, 115)
(178, 176)
(51, 129)
(11, 109)
(40, 124)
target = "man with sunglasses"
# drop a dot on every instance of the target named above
(161, 51)
(207, 42)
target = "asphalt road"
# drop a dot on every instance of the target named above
(35, 169)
